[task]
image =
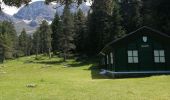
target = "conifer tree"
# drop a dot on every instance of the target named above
(81, 31)
(161, 15)
(45, 38)
(131, 12)
(66, 38)
(56, 27)
(29, 45)
(36, 42)
(99, 25)
(23, 43)
(8, 38)
(17, 3)
(117, 30)
(67, 2)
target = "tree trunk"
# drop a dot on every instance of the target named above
(49, 53)
(36, 53)
(65, 56)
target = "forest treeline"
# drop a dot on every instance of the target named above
(86, 34)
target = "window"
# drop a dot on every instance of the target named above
(133, 56)
(111, 56)
(159, 56)
(107, 57)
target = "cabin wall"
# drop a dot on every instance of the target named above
(145, 54)
(168, 57)
(120, 59)
(108, 63)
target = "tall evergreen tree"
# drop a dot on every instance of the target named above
(161, 15)
(117, 30)
(45, 37)
(99, 25)
(131, 12)
(66, 38)
(36, 43)
(147, 13)
(67, 2)
(29, 45)
(15, 2)
(23, 43)
(81, 31)
(56, 27)
(8, 38)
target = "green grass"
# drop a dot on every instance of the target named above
(55, 81)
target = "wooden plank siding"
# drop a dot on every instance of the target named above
(146, 60)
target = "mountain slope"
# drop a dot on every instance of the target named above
(74, 7)
(5, 17)
(29, 17)
(35, 9)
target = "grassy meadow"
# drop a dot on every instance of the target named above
(55, 80)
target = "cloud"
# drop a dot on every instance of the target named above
(9, 10)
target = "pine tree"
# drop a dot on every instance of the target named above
(161, 15)
(23, 43)
(116, 27)
(45, 37)
(56, 27)
(67, 2)
(66, 38)
(8, 38)
(17, 3)
(131, 11)
(29, 45)
(147, 13)
(99, 25)
(36, 42)
(81, 31)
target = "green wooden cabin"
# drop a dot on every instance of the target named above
(1, 54)
(143, 51)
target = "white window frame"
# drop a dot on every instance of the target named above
(133, 56)
(159, 56)
(107, 57)
(111, 58)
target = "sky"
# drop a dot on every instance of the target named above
(13, 10)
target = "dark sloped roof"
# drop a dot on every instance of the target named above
(125, 36)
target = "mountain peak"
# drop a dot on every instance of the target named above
(38, 8)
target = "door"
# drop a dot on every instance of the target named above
(146, 57)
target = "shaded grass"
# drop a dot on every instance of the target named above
(78, 81)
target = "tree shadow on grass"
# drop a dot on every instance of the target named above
(50, 62)
(78, 64)
(95, 73)
(47, 62)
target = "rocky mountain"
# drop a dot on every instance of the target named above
(35, 9)
(4, 16)
(29, 17)
(73, 7)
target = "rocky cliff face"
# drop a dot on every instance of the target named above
(36, 9)
(29, 17)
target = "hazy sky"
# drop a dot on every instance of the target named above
(13, 10)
